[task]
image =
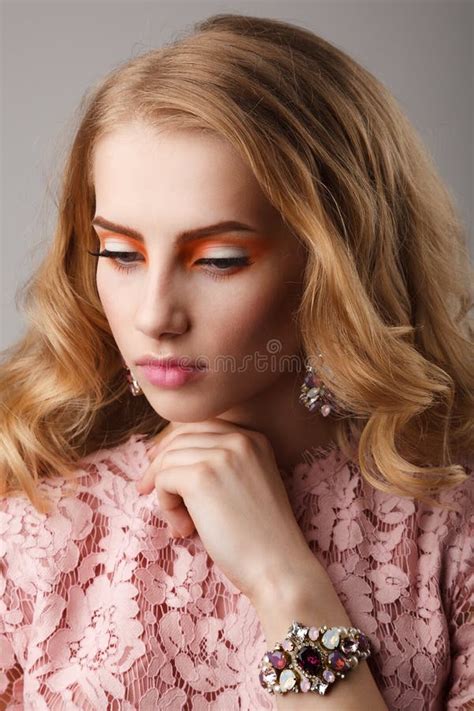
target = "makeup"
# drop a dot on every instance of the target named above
(225, 254)
(114, 243)
(253, 247)
(170, 377)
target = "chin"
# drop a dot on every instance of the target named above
(183, 405)
(182, 409)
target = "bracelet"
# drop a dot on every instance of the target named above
(311, 659)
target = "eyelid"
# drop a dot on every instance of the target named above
(224, 250)
(113, 244)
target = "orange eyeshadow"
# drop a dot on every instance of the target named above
(256, 247)
(138, 246)
(196, 249)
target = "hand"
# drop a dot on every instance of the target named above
(223, 481)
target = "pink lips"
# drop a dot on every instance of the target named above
(171, 376)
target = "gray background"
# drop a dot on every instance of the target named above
(52, 52)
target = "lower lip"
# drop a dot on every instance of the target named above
(172, 377)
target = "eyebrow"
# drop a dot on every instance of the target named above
(186, 236)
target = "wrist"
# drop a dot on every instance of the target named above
(303, 592)
(291, 581)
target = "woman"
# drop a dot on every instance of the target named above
(250, 202)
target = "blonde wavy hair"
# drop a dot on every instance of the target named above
(387, 284)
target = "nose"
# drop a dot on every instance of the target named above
(161, 306)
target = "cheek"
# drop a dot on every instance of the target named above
(114, 302)
(104, 289)
(255, 315)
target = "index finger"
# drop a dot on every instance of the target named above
(214, 425)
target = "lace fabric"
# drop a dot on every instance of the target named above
(101, 609)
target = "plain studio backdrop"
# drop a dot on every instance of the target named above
(52, 52)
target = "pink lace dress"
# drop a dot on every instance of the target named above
(101, 609)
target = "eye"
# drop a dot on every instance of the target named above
(115, 256)
(221, 264)
(224, 264)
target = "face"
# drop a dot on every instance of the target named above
(223, 295)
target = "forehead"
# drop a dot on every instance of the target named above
(138, 158)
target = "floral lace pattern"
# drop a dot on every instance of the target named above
(101, 610)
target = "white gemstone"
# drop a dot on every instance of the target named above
(329, 676)
(269, 676)
(302, 632)
(287, 679)
(287, 645)
(313, 633)
(294, 628)
(319, 686)
(305, 685)
(313, 392)
(331, 638)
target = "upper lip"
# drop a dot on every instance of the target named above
(169, 362)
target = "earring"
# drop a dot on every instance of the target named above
(135, 388)
(315, 395)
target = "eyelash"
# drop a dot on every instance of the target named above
(228, 261)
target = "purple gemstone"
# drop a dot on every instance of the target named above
(363, 644)
(337, 661)
(309, 380)
(349, 645)
(309, 659)
(277, 659)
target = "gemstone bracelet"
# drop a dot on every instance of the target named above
(312, 658)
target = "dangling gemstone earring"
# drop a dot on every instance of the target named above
(135, 388)
(315, 395)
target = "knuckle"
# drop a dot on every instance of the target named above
(204, 474)
(228, 457)
(240, 442)
(262, 441)
(260, 437)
